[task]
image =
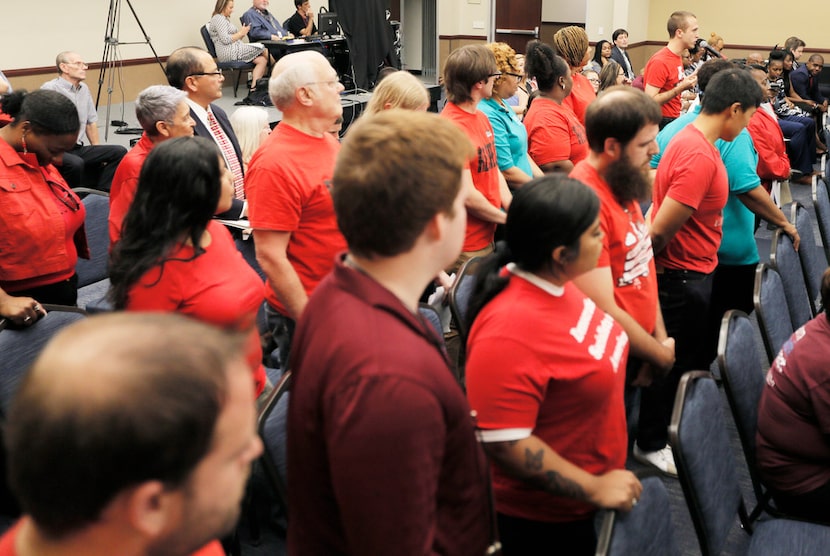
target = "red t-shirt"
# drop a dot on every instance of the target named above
(582, 94)
(287, 187)
(691, 172)
(217, 287)
(124, 184)
(626, 249)
(213, 548)
(664, 70)
(554, 133)
(547, 361)
(484, 167)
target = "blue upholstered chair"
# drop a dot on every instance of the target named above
(93, 274)
(743, 382)
(813, 262)
(771, 310)
(821, 202)
(786, 261)
(20, 347)
(645, 531)
(706, 469)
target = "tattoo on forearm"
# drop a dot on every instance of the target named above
(533, 460)
(556, 484)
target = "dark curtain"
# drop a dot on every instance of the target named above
(369, 36)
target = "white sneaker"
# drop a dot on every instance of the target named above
(663, 459)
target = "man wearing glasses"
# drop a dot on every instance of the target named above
(89, 164)
(195, 72)
(291, 209)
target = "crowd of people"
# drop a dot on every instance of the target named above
(387, 448)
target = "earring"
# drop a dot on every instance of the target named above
(23, 140)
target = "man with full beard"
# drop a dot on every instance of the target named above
(621, 126)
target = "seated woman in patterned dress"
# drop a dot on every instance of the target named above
(228, 41)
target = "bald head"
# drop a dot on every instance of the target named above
(294, 71)
(183, 62)
(755, 59)
(104, 406)
(619, 112)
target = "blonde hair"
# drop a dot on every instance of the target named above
(571, 43)
(714, 38)
(400, 89)
(505, 59)
(248, 123)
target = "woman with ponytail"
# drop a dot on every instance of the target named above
(545, 375)
(555, 136)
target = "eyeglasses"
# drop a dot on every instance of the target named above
(201, 73)
(593, 80)
(497, 74)
(516, 75)
(76, 64)
(64, 196)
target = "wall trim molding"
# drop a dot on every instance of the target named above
(462, 37)
(93, 66)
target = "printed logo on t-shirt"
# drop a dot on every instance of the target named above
(681, 75)
(601, 335)
(638, 255)
(487, 158)
(579, 132)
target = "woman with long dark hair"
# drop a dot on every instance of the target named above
(545, 375)
(173, 257)
(41, 219)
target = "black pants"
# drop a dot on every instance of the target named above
(282, 330)
(524, 537)
(91, 165)
(64, 292)
(811, 506)
(685, 298)
(732, 287)
(665, 120)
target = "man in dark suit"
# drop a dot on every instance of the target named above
(804, 81)
(619, 54)
(264, 26)
(195, 72)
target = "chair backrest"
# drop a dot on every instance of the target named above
(743, 380)
(208, 41)
(271, 425)
(705, 463)
(771, 310)
(95, 269)
(432, 317)
(786, 261)
(813, 263)
(645, 531)
(821, 202)
(20, 347)
(460, 294)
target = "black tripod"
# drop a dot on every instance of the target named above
(111, 60)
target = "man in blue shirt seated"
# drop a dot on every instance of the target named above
(264, 26)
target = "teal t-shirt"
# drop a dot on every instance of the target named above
(511, 136)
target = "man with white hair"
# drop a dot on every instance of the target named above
(163, 113)
(290, 206)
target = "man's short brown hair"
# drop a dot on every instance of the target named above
(464, 68)
(678, 20)
(112, 402)
(396, 170)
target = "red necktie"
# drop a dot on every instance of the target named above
(229, 154)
